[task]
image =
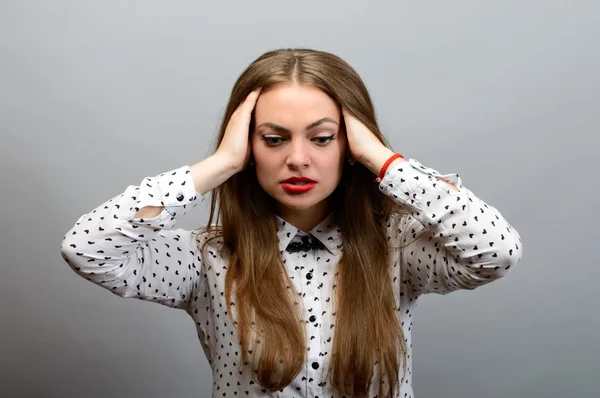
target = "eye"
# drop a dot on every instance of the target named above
(328, 138)
(273, 141)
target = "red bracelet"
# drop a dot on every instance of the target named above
(386, 164)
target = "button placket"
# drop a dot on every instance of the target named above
(315, 369)
(305, 254)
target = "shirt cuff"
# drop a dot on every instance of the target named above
(173, 189)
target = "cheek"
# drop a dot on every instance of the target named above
(258, 152)
(333, 168)
(264, 166)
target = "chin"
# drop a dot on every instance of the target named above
(299, 201)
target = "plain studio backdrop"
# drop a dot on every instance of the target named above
(95, 96)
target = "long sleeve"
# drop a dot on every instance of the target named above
(148, 259)
(453, 240)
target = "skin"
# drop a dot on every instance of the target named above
(299, 152)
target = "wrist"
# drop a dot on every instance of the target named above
(233, 165)
(376, 158)
(396, 162)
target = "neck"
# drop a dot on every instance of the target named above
(304, 219)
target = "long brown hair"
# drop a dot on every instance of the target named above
(268, 316)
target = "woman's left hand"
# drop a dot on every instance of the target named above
(361, 140)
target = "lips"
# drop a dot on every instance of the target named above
(298, 184)
(298, 188)
(298, 180)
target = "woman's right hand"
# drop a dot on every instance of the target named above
(236, 141)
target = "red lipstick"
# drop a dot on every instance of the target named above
(298, 184)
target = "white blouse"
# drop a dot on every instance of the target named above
(458, 242)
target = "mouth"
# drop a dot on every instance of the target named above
(298, 182)
(298, 187)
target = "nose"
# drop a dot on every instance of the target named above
(300, 154)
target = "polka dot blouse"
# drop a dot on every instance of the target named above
(454, 241)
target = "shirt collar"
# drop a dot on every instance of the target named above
(327, 232)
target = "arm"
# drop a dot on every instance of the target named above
(129, 244)
(461, 242)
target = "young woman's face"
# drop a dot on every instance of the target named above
(298, 133)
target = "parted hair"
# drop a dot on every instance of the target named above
(268, 316)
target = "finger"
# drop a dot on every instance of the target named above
(250, 101)
(347, 116)
(253, 96)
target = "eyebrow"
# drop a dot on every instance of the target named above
(281, 129)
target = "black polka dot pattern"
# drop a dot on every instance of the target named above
(453, 241)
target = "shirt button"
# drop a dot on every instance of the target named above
(309, 276)
(180, 196)
(315, 365)
(312, 318)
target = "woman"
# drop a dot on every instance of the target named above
(304, 289)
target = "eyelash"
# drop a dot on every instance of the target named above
(269, 140)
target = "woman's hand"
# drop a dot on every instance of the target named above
(364, 146)
(361, 141)
(236, 141)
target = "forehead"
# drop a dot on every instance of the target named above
(291, 103)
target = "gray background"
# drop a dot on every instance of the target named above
(95, 96)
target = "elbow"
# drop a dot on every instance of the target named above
(71, 254)
(504, 266)
(510, 262)
(68, 253)
(505, 263)
(512, 255)
(507, 257)
(491, 270)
